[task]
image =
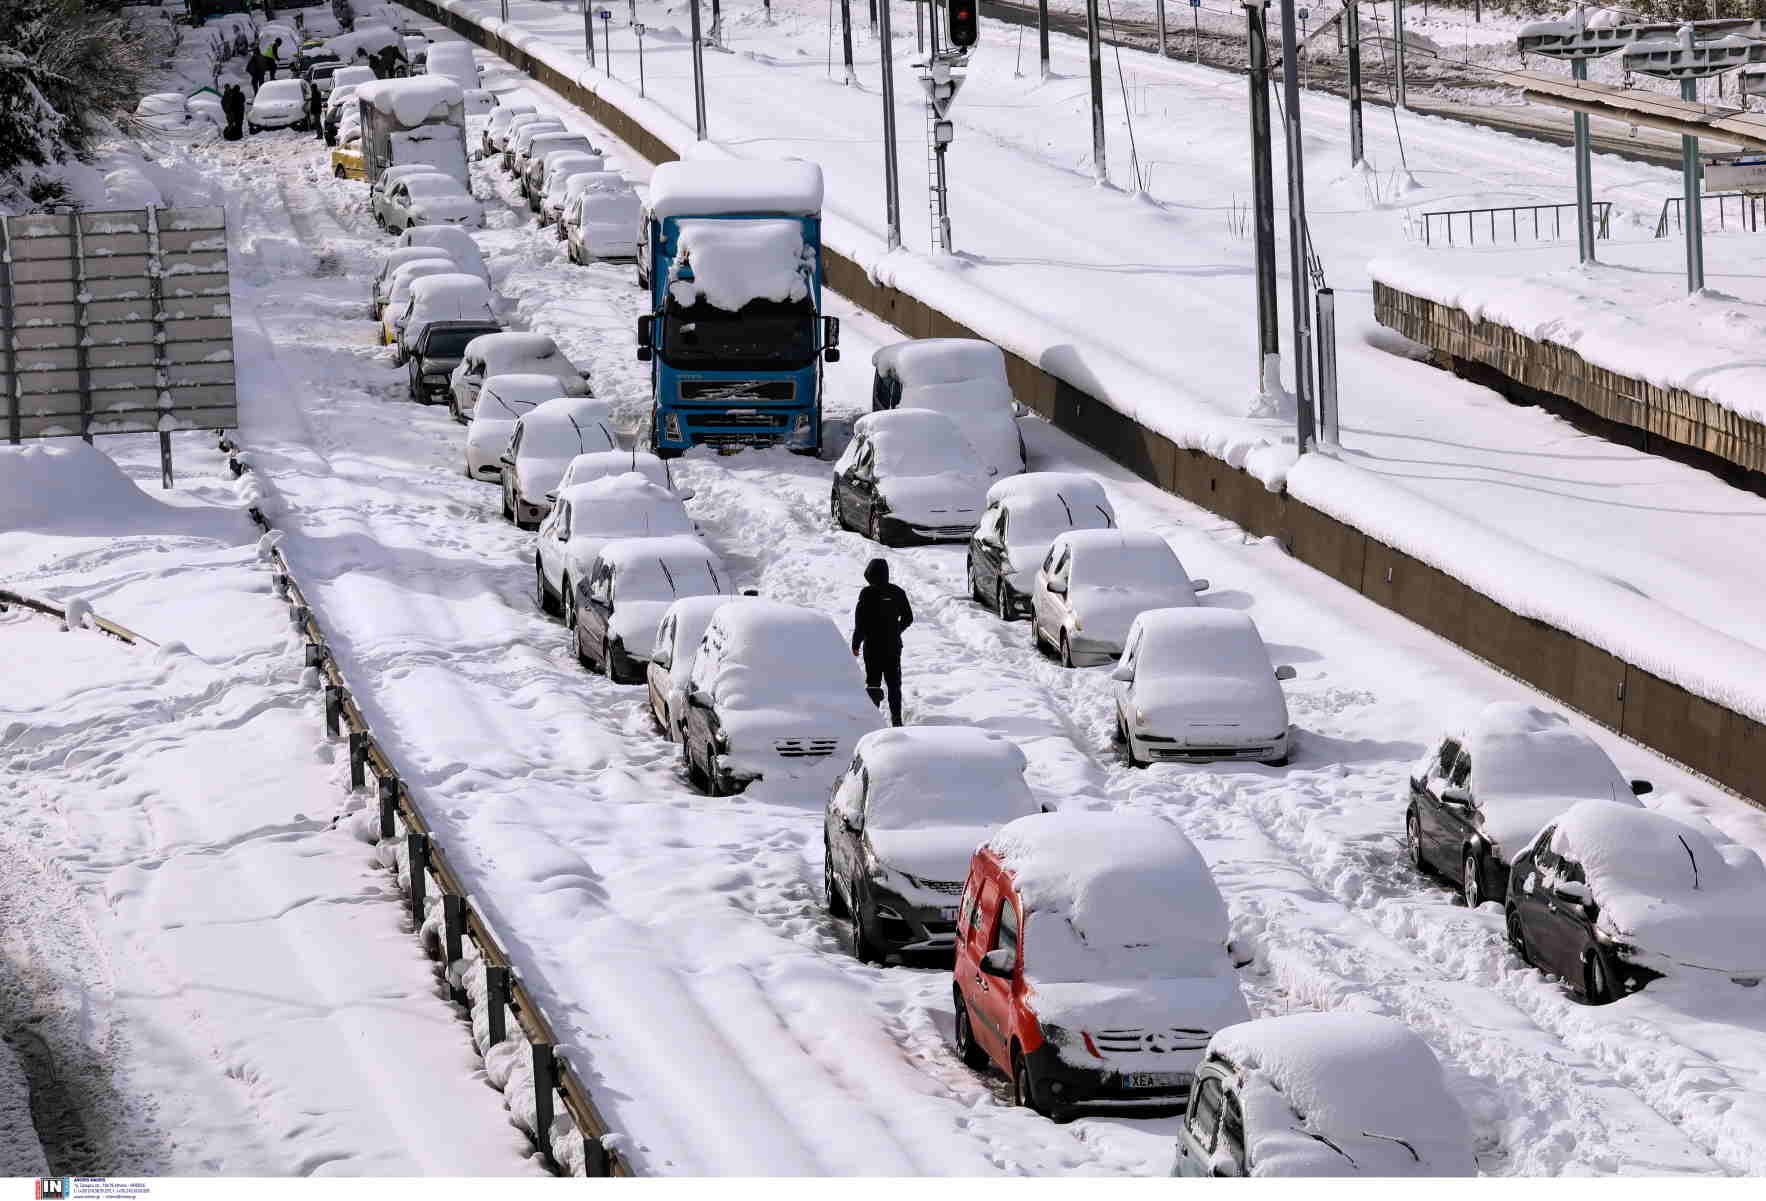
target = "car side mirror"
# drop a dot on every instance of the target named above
(552, 498)
(685, 494)
(831, 338)
(998, 963)
(1284, 672)
(646, 338)
(1123, 673)
(1199, 585)
(506, 459)
(1642, 788)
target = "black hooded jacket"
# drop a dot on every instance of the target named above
(882, 613)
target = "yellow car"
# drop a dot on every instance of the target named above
(346, 161)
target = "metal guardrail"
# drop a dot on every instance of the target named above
(1489, 219)
(1750, 205)
(553, 1076)
(103, 624)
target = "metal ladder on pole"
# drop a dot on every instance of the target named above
(932, 165)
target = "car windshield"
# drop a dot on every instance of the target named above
(659, 579)
(282, 89)
(910, 452)
(432, 185)
(1148, 568)
(761, 335)
(451, 342)
(1046, 517)
(1201, 652)
(1058, 950)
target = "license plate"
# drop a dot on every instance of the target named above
(1155, 1079)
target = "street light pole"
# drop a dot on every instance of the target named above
(1042, 36)
(1269, 339)
(1691, 172)
(638, 31)
(846, 39)
(1584, 173)
(1352, 30)
(589, 30)
(1298, 274)
(891, 178)
(698, 77)
(1100, 168)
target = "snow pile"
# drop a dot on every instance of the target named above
(1664, 884)
(722, 187)
(65, 486)
(1357, 1080)
(733, 262)
(412, 101)
(452, 60)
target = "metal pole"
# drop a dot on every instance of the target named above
(1584, 174)
(1159, 11)
(698, 77)
(919, 27)
(505, 7)
(1327, 366)
(891, 177)
(1196, 30)
(1352, 27)
(1042, 34)
(639, 29)
(1692, 217)
(1298, 276)
(717, 24)
(943, 203)
(1269, 340)
(1100, 168)
(846, 40)
(589, 30)
(607, 38)
(1398, 33)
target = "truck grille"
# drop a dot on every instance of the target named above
(738, 389)
(749, 420)
(806, 748)
(1159, 1042)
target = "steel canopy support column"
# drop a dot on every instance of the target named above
(891, 176)
(846, 40)
(1094, 53)
(1299, 276)
(1584, 175)
(1691, 215)
(1351, 29)
(698, 76)
(1269, 339)
(1398, 50)
(1159, 15)
(1042, 35)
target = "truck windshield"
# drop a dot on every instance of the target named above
(763, 335)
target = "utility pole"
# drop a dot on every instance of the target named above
(891, 177)
(1299, 276)
(698, 77)
(589, 30)
(1094, 53)
(1584, 173)
(1159, 11)
(1351, 28)
(1398, 53)
(846, 39)
(1691, 171)
(1042, 35)
(717, 24)
(1269, 341)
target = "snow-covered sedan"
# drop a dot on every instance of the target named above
(522, 132)
(164, 111)
(587, 517)
(1608, 898)
(397, 257)
(908, 477)
(1092, 585)
(774, 694)
(614, 614)
(491, 139)
(510, 353)
(545, 155)
(503, 401)
(902, 825)
(671, 658)
(1092, 962)
(451, 240)
(454, 296)
(1322, 1094)
(279, 104)
(1024, 515)
(1197, 685)
(600, 218)
(963, 378)
(1482, 795)
(545, 441)
(557, 169)
(404, 277)
(602, 463)
(433, 356)
(431, 198)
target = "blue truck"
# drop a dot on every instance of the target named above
(731, 254)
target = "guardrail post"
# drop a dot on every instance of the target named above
(417, 853)
(453, 930)
(279, 581)
(358, 758)
(315, 654)
(333, 709)
(389, 805)
(301, 614)
(545, 1082)
(496, 1000)
(595, 1160)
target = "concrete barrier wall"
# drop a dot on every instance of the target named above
(1726, 746)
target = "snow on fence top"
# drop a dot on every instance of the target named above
(412, 101)
(734, 262)
(711, 188)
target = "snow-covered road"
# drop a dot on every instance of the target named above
(678, 942)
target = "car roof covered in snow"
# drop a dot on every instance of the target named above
(507, 111)
(1520, 749)
(672, 549)
(704, 188)
(555, 140)
(433, 183)
(513, 346)
(407, 273)
(522, 388)
(453, 285)
(398, 256)
(627, 506)
(459, 244)
(788, 658)
(933, 776)
(577, 423)
(924, 361)
(918, 442)
(410, 101)
(350, 77)
(1212, 642)
(278, 88)
(594, 465)
(598, 181)
(1360, 1081)
(1049, 486)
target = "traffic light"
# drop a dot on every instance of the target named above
(963, 27)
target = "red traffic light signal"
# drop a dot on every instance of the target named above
(963, 27)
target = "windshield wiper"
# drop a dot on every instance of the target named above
(1327, 1142)
(1392, 1138)
(1695, 862)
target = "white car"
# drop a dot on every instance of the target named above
(395, 258)
(588, 516)
(671, 659)
(496, 130)
(458, 244)
(599, 217)
(774, 694)
(546, 439)
(908, 477)
(453, 60)
(540, 152)
(533, 142)
(164, 111)
(503, 401)
(428, 199)
(450, 297)
(398, 292)
(1322, 1095)
(510, 353)
(1024, 515)
(613, 614)
(279, 104)
(963, 378)
(601, 464)
(521, 133)
(557, 169)
(1196, 685)
(479, 104)
(1093, 583)
(391, 176)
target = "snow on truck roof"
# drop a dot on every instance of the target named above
(412, 101)
(940, 361)
(734, 262)
(711, 188)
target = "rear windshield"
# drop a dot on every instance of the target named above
(658, 579)
(451, 343)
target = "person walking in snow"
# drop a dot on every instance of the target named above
(255, 68)
(233, 105)
(316, 111)
(274, 57)
(878, 620)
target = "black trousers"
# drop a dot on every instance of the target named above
(883, 671)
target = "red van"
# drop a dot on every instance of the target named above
(1091, 961)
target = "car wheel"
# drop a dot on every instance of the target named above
(1595, 984)
(1278, 761)
(1413, 841)
(877, 528)
(967, 1048)
(1127, 742)
(695, 777)
(1516, 940)
(453, 407)
(1023, 1087)
(541, 594)
(1472, 881)
(577, 646)
(714, 779)
(863, 949)
(337, 171)
(1066, 651)
(1002, 602)
(1036, 641)
(836, 904)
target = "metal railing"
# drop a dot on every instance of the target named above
(1491, 221)
(101, 624)
(1748, 206)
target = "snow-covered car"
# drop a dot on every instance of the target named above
(599, 217)
(1024, 515)
(205, 109)
(539, 154)
(601, 464)
(557, 169)
(511, 353)
(164, 111)
(774, 694)
(502, 401)
(1483, 793)
(347, 161)
(587, 517)
(1608, 898)
(1196, 685)
(1322, 1094)
(416, 53)
(546, 440)
(614, 614)
(671, 658)
(381, 291)
(963, 378)
(321, 75)
(902, 825)
(391, 175)
(340, 102)
(1092, 963)
(458, 244)
(479, 103)
(398, 292)
(521, 133)
(279, 104)
(433, 357)
(491, 140)
(451, 297)
(453, 60)
(431, 198)
(908, 477)
(1092, 585)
